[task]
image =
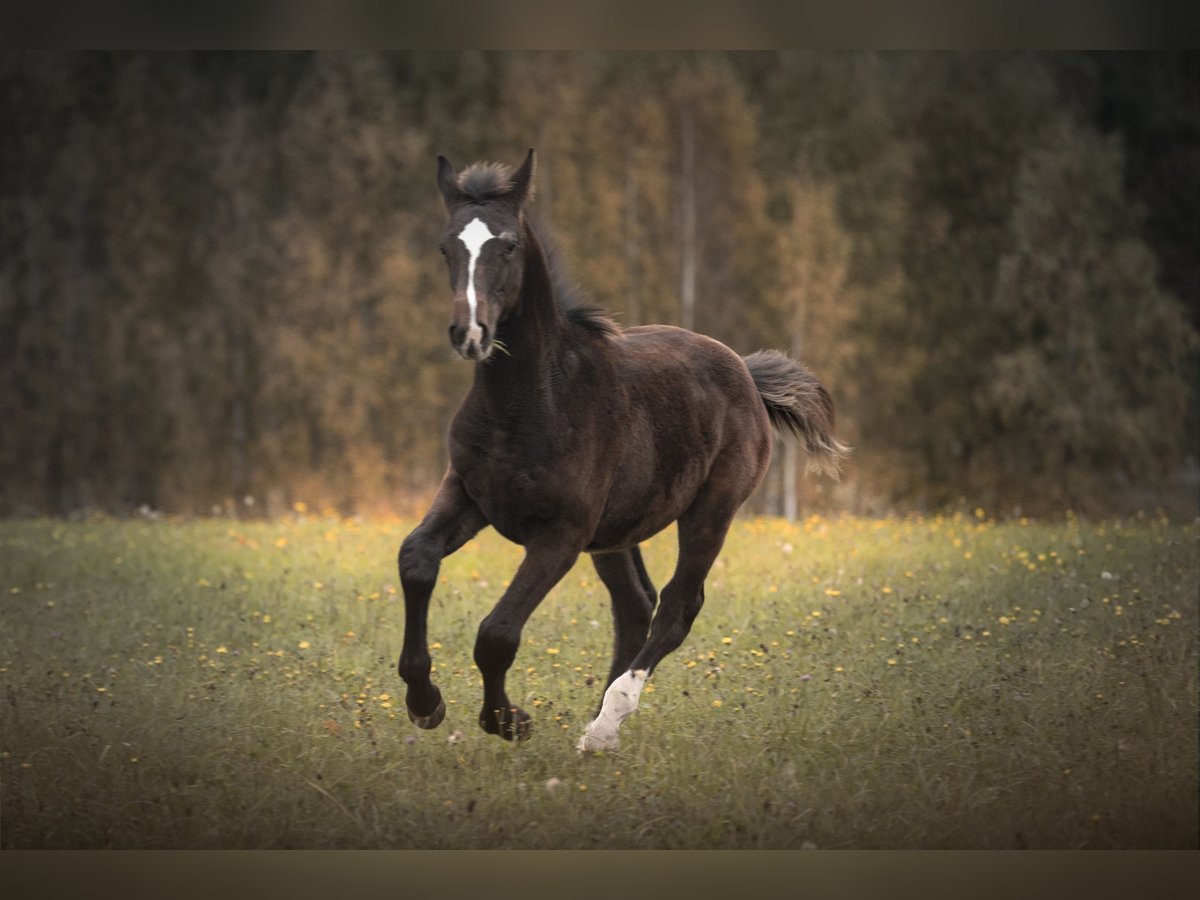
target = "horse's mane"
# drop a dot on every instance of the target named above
(576, 303)
(484, 182)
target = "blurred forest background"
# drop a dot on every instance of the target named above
(219, 278)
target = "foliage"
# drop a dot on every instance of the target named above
(904, 683)
(217, 276)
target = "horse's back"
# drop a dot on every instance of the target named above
(671, 350)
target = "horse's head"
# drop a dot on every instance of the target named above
(482, 246)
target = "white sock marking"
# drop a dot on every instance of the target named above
(620, 702)
(474, 236)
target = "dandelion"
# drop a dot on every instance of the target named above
(891, 661)
(552, 651)
(717, 704)
(726, 640)
(304, 645)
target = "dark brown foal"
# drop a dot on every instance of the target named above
(578, 437)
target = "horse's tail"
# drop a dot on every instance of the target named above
(797, 402)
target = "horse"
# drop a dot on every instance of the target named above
(578, 436)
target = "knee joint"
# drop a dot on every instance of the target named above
(496, 645)
(419, 559)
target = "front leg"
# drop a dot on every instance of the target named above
(546, 561)
(451, 522)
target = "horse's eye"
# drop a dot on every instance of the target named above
(512, 246)
(442, 249)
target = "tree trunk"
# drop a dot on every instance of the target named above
(687, 231)
(631, 243)
(791, 462)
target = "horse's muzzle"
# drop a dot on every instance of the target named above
(472, 342)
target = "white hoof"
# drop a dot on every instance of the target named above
(593, 743)
(620, 702)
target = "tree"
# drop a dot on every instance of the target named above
(815, 252)
(1086, 378)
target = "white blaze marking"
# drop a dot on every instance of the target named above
(474, 236)
(620, 702)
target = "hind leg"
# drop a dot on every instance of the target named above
(702, 531)
(633, 598)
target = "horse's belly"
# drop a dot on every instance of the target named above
(619, 535)
(635, 512)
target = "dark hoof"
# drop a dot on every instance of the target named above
(511, 723)
(433, 720)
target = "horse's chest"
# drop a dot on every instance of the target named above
(515, 502)
(516, 490)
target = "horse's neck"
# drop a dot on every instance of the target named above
(526, 370)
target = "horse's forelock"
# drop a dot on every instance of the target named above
(485, 181)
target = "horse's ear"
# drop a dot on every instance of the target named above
(522, 181)
(447, 182)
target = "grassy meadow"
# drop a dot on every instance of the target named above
(851, 683)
